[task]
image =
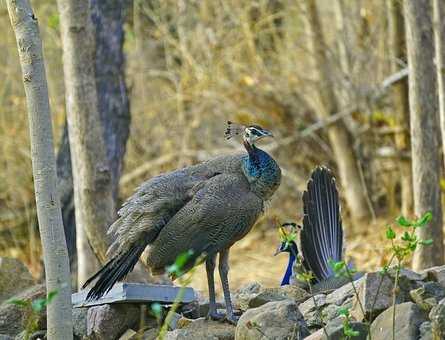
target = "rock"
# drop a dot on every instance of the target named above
(111, 321)
(202, 329)
(428, 295)
(330, 312)
(149, 334)
(14, 278)
(80, 322)
(273, 320)
(334, 329)
(13, 317)
(128, 335)
(39, 335)
(173, 324)
(372, 302)
(6, 337)
(254, 295)
(340, 295)
(437, 317)
(408, 274)
(436, 274)
(425, 331)
(408, 319)
(309, 304)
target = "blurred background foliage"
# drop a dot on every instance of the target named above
(193, 65)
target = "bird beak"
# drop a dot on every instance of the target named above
(267, 133)
(278, 251)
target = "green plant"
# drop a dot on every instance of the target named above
(348, 331)
(341, 269)
(176, 270)
(32, 310)
(402, 248)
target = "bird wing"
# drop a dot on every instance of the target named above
(322, 233)
(157, 200)
(145, 213)
(218, 215)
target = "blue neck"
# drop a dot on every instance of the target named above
(262, 172)
(288, 274)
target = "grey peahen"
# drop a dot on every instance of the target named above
(321, 237)
(203, 208)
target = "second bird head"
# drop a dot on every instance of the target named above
(288, 239)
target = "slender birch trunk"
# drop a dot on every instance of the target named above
(24, 23)
(424, 129)
(93, 195)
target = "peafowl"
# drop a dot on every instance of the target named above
(202, 209)
(321, 234)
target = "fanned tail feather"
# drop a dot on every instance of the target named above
(322, 233)
(114, 270)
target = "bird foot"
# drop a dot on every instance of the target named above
(215, 316)
(232, 319)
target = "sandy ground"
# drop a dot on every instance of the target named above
(251, 259)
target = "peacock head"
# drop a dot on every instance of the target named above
(251, 133)
(288, 244)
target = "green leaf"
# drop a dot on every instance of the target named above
(425, 219)
(343, 311)
(51, 295)
(426, 242)
(406, 236)
(350, 332)
(38, 305)
(156, 309)
(403, 221)
(19, 302)
(336, 266)
(390, 233)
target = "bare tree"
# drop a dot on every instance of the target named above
(439, 39)
(339, 137)
(49, 214)
(424, 133)
(93, 194)
(397, 50)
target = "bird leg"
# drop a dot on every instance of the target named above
(223, 272)
(210, 268)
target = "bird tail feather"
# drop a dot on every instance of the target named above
(114, 270)
(322, 233)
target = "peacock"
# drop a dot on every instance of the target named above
(321, 237)
(201, 209)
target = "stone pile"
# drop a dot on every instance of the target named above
(266, 313)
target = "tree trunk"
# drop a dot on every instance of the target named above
(114, 106)
(65, 188)
(339, 136)
(397, 50)
(439, 38)
(424, 143)
(24, 23)
(114, 110)
(92, 176)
